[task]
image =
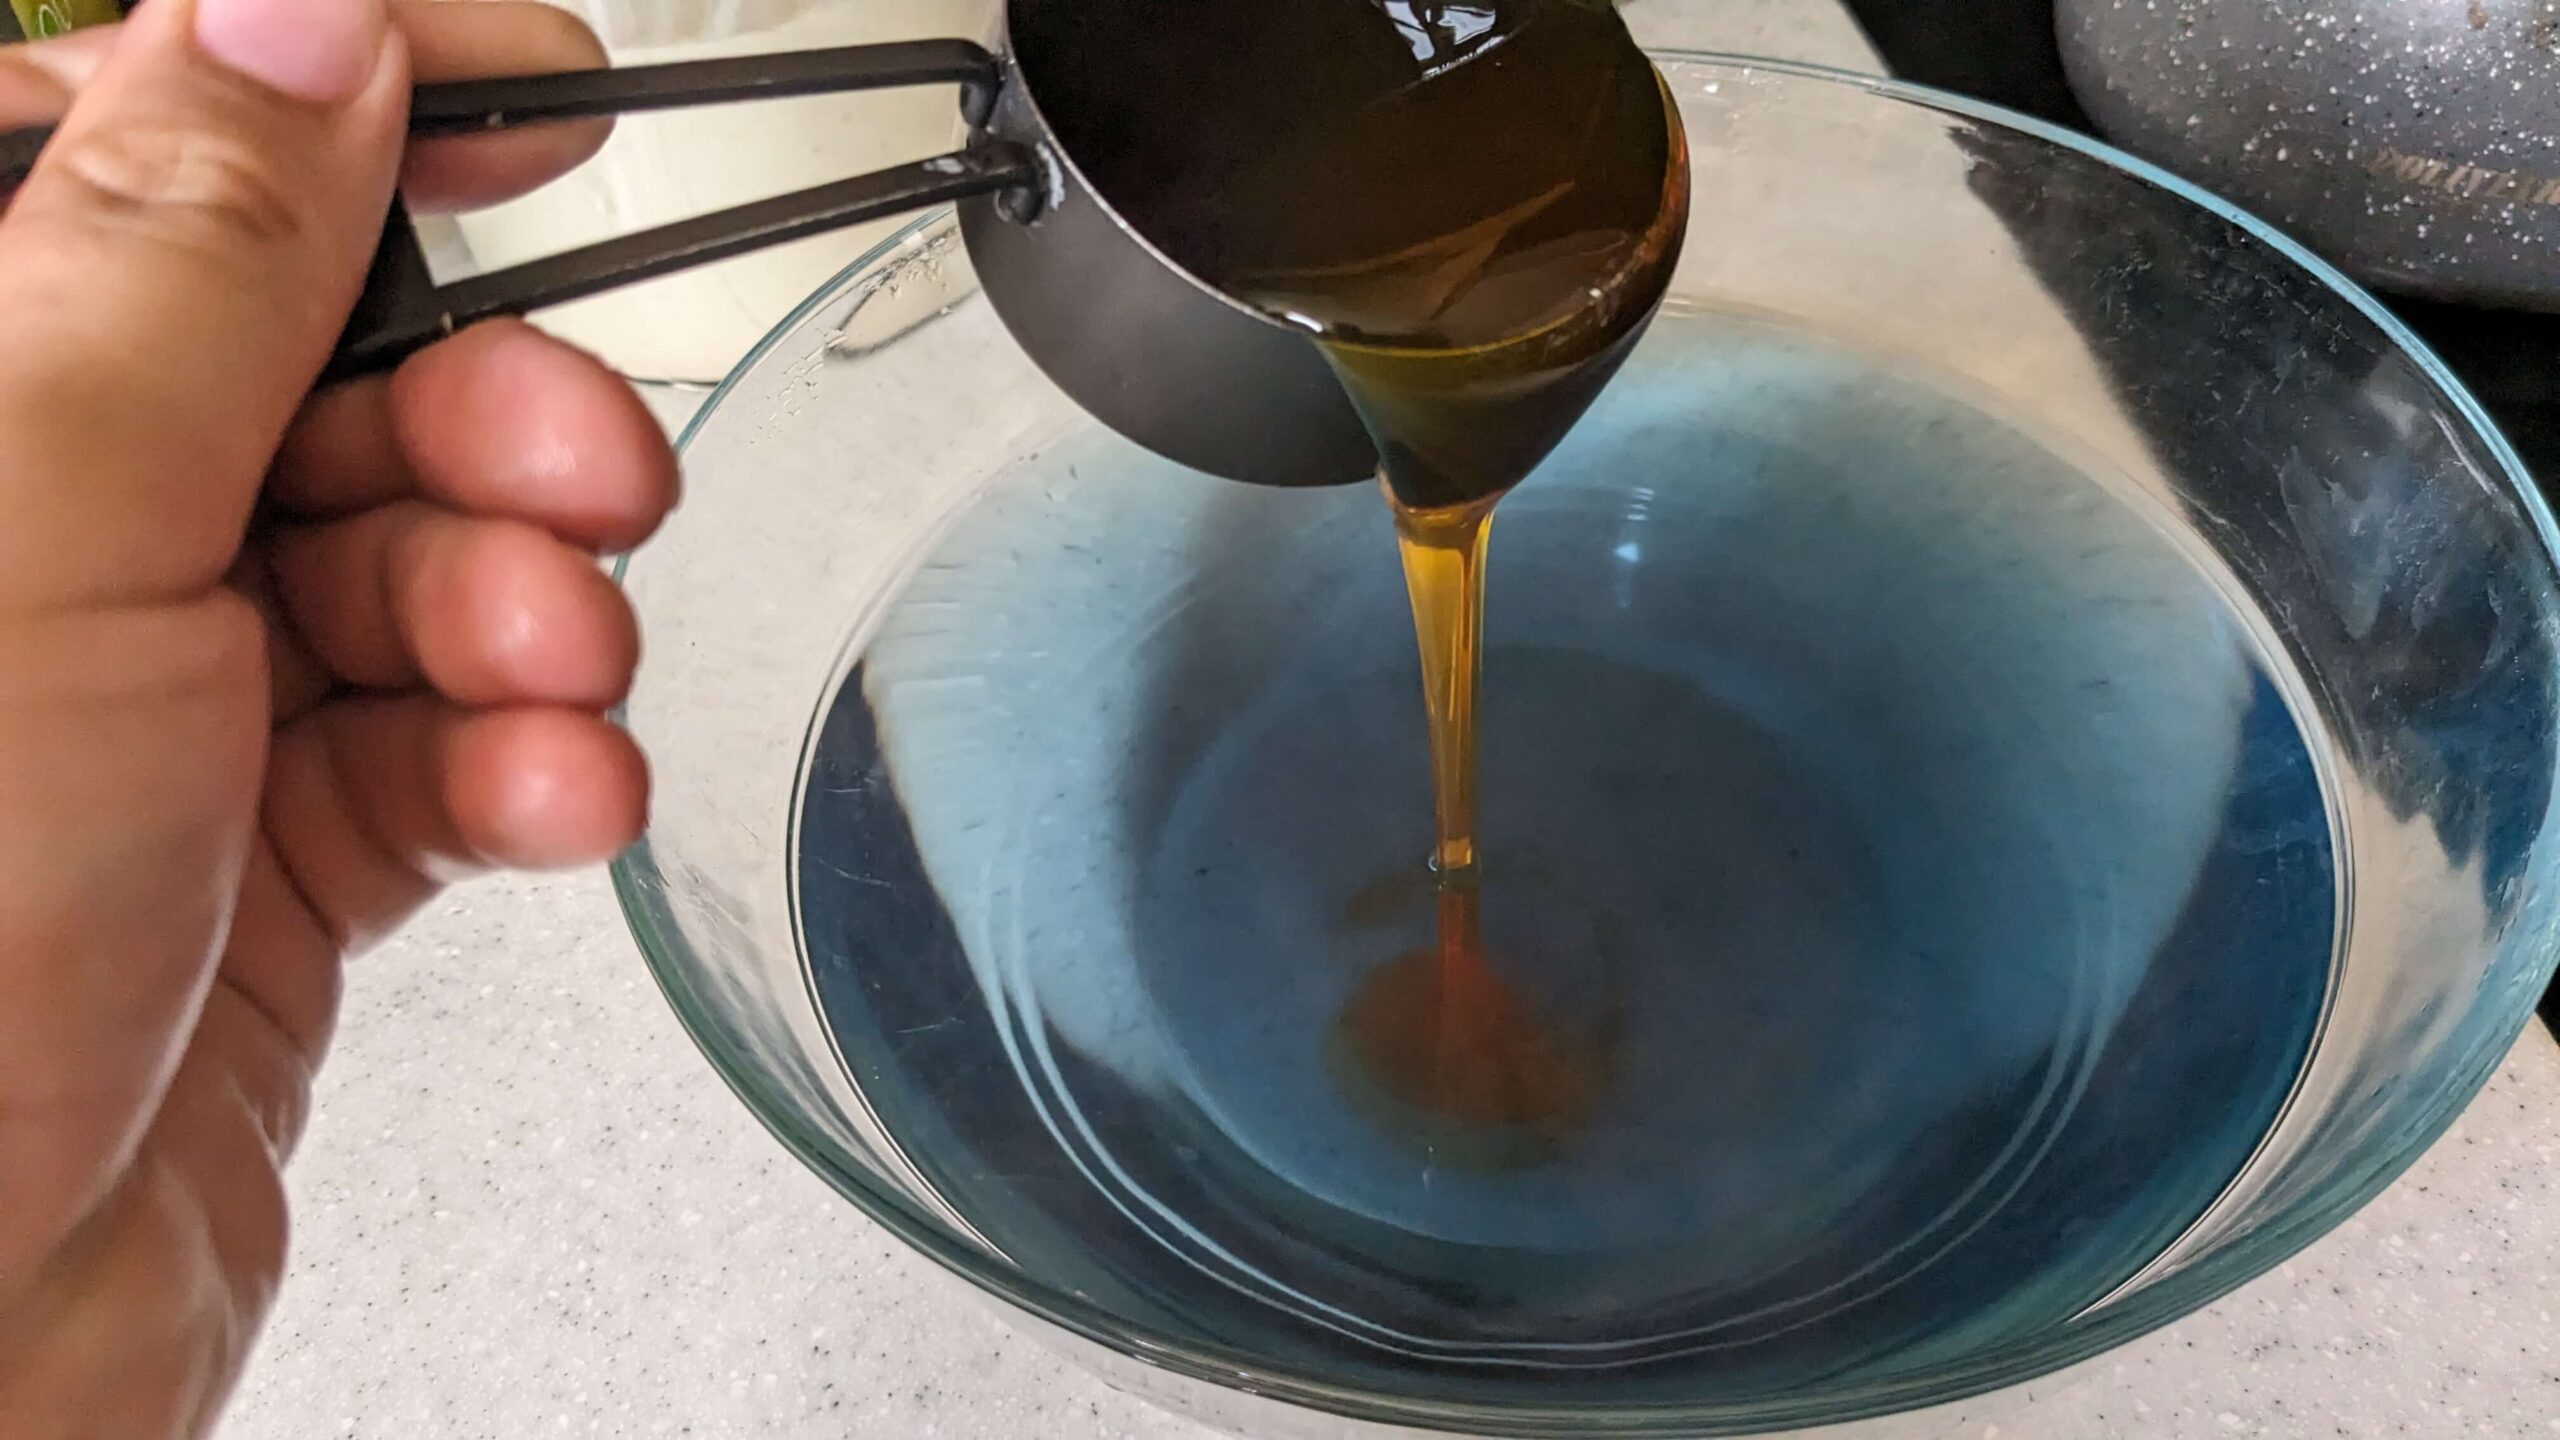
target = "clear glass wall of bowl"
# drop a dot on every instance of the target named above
(2339, 481)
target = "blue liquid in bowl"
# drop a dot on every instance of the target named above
(1927, 816)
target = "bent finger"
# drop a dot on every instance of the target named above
(488, 612)
(374, 804)
(500, 420)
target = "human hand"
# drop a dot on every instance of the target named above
(273, 666)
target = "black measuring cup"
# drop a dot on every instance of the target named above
(1138, 342)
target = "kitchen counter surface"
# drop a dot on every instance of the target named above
(527, 1208)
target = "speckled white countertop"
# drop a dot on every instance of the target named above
(527, 1208)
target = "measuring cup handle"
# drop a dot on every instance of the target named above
(461, 107)
(464, 107)
(404, 311)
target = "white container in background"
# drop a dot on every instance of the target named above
(664, 167)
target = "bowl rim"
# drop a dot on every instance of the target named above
(635, 879)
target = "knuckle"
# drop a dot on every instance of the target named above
(189, 187)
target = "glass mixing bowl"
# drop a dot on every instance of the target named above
(2043, 690)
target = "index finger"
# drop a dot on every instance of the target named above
(37, 80)
(487, 39)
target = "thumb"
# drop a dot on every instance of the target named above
(171, 279)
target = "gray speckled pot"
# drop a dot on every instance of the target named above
(2415, 142)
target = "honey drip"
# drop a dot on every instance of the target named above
(1473, 206)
